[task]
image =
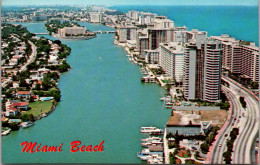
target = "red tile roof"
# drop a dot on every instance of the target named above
(20, 104)
(24, 92)
(12, 108)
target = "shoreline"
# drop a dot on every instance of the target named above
(73, 38)
(33, 42)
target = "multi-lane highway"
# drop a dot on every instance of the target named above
(249, 127)
(244, 119)
(233, 121)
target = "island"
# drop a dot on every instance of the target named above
(68, 30)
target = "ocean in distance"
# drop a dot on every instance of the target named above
(240, 22)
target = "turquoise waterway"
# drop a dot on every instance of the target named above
(103, 98)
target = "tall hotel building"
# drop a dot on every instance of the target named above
(141, 43)
(162, 32)
(202, 69)
(126, 33)
(171, 60)
(96, 17)
(250, 61)
(240, 57)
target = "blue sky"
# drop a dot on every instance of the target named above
(131, 2)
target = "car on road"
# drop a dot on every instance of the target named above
(232, 124)
(238, 121)
(220, 145)
(235, 118)
(239, 116)
(226, 135)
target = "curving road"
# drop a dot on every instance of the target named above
(248, 128)
(218, 151)
(23, 68)
(248, 125)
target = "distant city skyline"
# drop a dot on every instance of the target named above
(128, 2)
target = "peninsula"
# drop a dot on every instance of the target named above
(31, 67)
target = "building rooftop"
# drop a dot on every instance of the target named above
(174, 47)
(24, 92)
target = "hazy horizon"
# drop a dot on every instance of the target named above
(128, 2)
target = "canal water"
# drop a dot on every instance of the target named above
(102, 99)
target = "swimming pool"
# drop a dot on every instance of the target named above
(45, 98)
(14, 120)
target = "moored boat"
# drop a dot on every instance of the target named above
(147, 129)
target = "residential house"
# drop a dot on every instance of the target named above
(26, 94)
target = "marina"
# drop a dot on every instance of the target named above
(152, 151)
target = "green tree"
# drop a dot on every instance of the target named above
(23, 83)
(230, 145)
(227, 157)
(14, 126)
(55, 93)
(204, 147)
(46, 82)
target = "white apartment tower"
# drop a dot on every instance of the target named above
(171, 59)
(96, 17)
(126, 33)
(202, 70)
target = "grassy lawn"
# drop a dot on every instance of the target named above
(38, 106)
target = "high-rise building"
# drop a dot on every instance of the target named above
(96, 17)
(163, 23)
(239, 57)
(184, 36)
(157, 36)
(133, 14)
(250, 61)
(202, 69)
(75, 30)
(146, 18)
(126, 33)
(141, 44)
(171, 59)
(152, 56)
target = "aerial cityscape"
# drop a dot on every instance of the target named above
(134, 83)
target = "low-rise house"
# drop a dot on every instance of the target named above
(13, 107)
(26, 94)
(36, 76)
(17, 57)
(53, 60)
(11, 111)
(43, 70)
(21, 106)
(13, 61)
(35, 82)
